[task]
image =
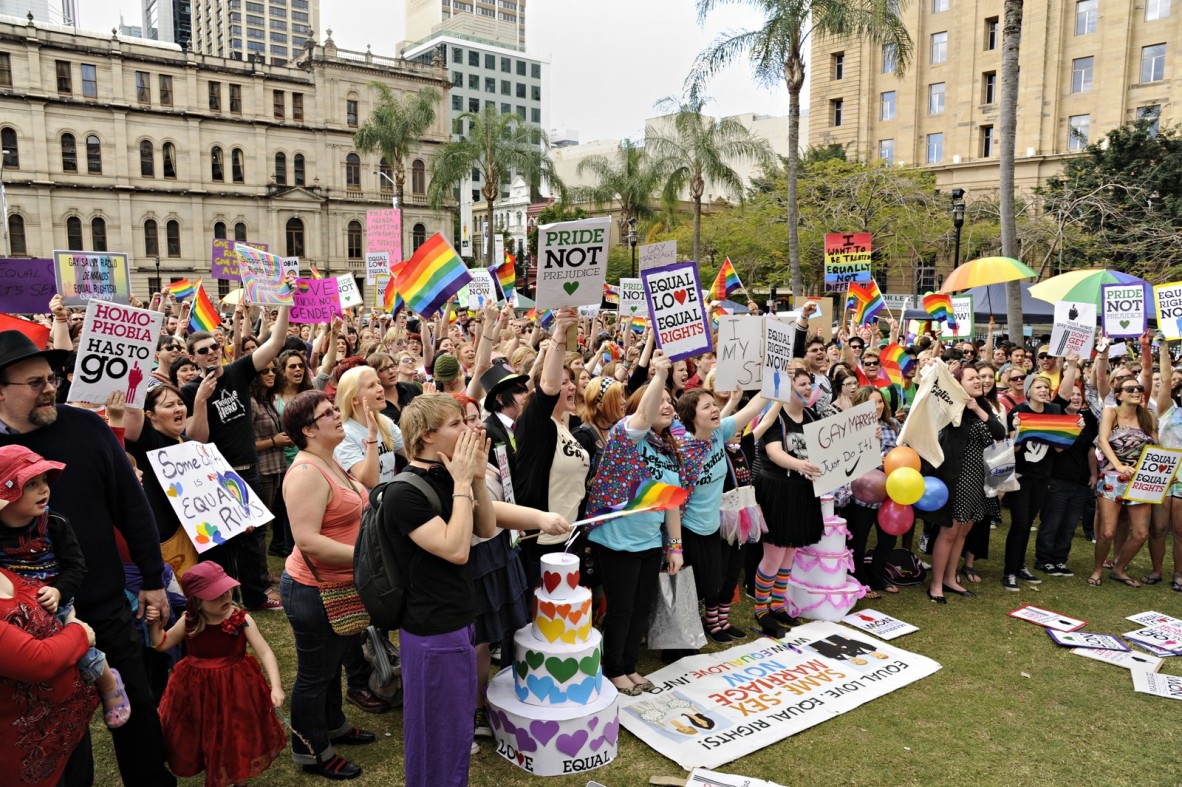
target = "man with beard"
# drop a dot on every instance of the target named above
(98, 493)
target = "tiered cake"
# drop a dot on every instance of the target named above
(820, 586)
(553, 713)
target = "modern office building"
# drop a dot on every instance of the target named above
(41, 10)
(494, 20)
(168, 20)
(274, 29)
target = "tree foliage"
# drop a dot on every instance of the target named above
(629, 179)
(395, 126)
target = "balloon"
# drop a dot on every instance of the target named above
(895, 519)
(870, 488)
(935, 494)
(901, 457)
(905, 486)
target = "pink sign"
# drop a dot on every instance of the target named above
(383, 232)
(316, 301)
(225, 262)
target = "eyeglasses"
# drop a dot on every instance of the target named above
(1017, 378)
(38, 385)
(206, 350)
(870, 363)
(1133, 389)
(326, 413)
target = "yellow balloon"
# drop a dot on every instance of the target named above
(905, 486)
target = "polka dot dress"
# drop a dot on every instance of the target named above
(969, 503)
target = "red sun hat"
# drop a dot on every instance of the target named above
(18, 466)
(207, 581)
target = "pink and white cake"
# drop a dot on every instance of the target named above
(820, 586)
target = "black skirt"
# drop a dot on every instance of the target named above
(499, 582)
(792, 511)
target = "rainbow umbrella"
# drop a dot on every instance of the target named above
(987, 270)
(1082, 286)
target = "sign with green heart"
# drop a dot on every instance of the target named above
(632, 300)
(1126, 309)
(572, 262)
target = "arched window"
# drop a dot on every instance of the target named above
(152, 238)
(418, 177)
(386, 176)
(12, 155)
(281, 169)
(352, 172)
(298, 169)
(169, 160)
(219, 230)
(295, 238)
(217, 168)
(69, 153)
(94, 155)
(16, 235)
(173, 232)
(418, 236)
(98, 234)
(353, 238)
(239, 163)
(74, 233)
(147, 160)
(240, 231)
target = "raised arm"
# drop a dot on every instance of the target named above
(551, 380)
(60, 337)
(1165, 399)
(650, 403)
(270, 349)
(748, 413)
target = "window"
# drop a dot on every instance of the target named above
(887, 103)
(939, 47)
(152, 238)
(1086, 12)
(215, 96)
(1153, 63)
(295, 238)
(520, 111)
(473, 105)
(352, 173)
(94, 155)
(238, 162)
(239, 231)
(521, 90)
(6, 72)
(1077, 133)
(278, 103)
(297, 169)
(169, 151)
(418, 177)
(935, 148)
(385, 177)
(74, 233)
(143, 87)
(297, 106)
(890, 59)
(457, 102)
(988, 142)
(835, 109)
(535, 92)
(939, 6)
(166, 90)
(64, 86)
(506, 65)
(490, 62)
(535, 70)
(219, 230)
(351, 113)
(98, 234)
(936, 98)
(506, 87)
(236, 99)
(69, 153)
(991, 33)
(281, 169)
(490, 85)
(1081, 74)
(172, 233)
(457, 55)
(353, 240)
(147, 160)
(1152, 113)
(89, 81)
(520, 68)
(418, 236)
(886, 150)
(1156, 9)
(473, 59)
(837, 65)
(535, 115)
(925, 274)
(217, 165)
(16, 235)
(989, 87)
(457, 78)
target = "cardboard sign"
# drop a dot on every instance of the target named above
(1074, 330)
(224, 262)
(656, 255)
(778, 338)
(316, 301)
(679, 315)
(379, 291)
(348, 292)
(572, 262)
(1130, 660)
(1047, 619)
(376, 264)
(1168, 686)
(1165, 638)
(632, 300)
(822, 320)
(263, 276)
(115, 352)
(1156, 468)
(26, 286)
(210, 499)
(847, 259)
(962, 305)
(383, 233)
(1168, 298)
(845, 446)
(880, 625)
(481, 291)
(81, 276)
(1154, 619)
(1126, 309)
(1087, 639)
(740, 353)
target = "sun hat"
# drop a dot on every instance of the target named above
(18, 466)
(207, 581)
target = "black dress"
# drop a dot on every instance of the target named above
(792, 511)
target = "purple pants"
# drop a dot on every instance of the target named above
(438, 700)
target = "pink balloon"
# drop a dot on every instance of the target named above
(870, 488)
(895, 519)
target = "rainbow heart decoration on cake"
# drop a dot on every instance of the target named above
(821, 586)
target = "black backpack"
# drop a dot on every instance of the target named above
(380, 572)
(903, 568)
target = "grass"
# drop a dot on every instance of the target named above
(1008, 707)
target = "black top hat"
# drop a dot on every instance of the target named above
(15, 346)
(499, 377)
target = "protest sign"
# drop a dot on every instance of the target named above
(379, 291)
(1129, 659)
(777, 359)
(822, 320)
(755, 694)
(376, 263)
(115, 352)
(1160, 639)
(1086, 639)
(844, 446)
(703, 777)
(1047, 618)
(740, 353)
(1126, 309)
(1074, 330)
(962, 306)
(383, 232)
(1168, 298)
(316, 300)
(481, 291)
(1168, 686)
(878, 624)
(348, 292)
(223, 260)
(1155, 472)
(656, 255)
(211, 500)
(26, 285)
(572, 262)
(632, 301)
(591, 312)
(847, 259)
(679, 318)
(263, 276)
(81, 276)
(1154, 619)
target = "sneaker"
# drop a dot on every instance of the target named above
(1026, 576)
(721, 636)
(475, 748)
(483, 730)
(1048, 568)
(1063, 570)
(735, 633)
(271, 603)
(1010, 582)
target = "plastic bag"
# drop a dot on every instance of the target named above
(1000, 475)
(674, 624)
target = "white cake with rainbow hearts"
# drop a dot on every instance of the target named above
(820, 586)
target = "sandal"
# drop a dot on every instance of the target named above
(871, 595)
(645, 685)
(971, 574)
(1108, 563)
(627, 691)
(1176, 585)
(1095, 581)
(1151, 579)
(117, 715)
(1124, 580)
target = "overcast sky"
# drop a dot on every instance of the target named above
(611, 60)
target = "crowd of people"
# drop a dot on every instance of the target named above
(474, 427)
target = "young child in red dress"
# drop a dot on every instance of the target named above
(217, 712)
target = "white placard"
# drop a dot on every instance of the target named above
(590, 312)
(291, 265)
(845, 446)
(962, 307)
(1074, 330)
(1087, 639)
(740, 353)
(1168, 298)
(1047, 618)
(572, 262)
(479, 292)
(1154, 472)
(632, 300)
(1129, 659)
(678, 312)
(115, 352)
(1168, 686)
(702, 777)
(879, 624)
(655, 255)
(347, 289)
(1161, 638)
(376, 262)
(1152, 618)
(1126, 309)
(777, 359)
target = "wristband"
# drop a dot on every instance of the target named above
(273, 444)
(371, 442)
(470, 498)
(675, 543)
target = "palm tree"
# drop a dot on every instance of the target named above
(496, 147)
(700, 149)
(628, 179)
(397, 124)
(1011, 34)
(776, 52)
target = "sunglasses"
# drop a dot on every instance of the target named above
(857, 346)
(870, 363)
(1017, 378)
(968, 354)
(1043, 356)
(1133, 389)
(206, 350)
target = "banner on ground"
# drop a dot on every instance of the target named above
(1126, 309)
(115, 352)
(847, 259)
(81, 276)
(211, 500)
(383, 233)
(845, 446)
(753, 695)
(1155, 472)
(878, 624)
(778, 338)
(316, 301)
(572, 262)
(740, 353)
(349, 293)
(656, 255)
(962, 306)
(632, 301)
(679, 316)
(26, 285)
(1074, 330)
(1169, 309)
(223, 260)
(376, 264)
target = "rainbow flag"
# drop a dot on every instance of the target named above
(895, 362)
(939, 305)
(392, 299)
(432, 275)
(1060, 430)
(315, 273)
(654, 496)
(203, 317)
(545, 319)
(866, 302)
(638, 324)
(180, 289)
(614, 353)
(506, 275)
(611, 294)
(726, 282)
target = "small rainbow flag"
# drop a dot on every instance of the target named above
(611, 294)
(614, 353)
(315, 273)
(638, 324)
(654, 496)
(895, 362)
(432, 275)
(939, 305)
(1060, 430)
(506, 275)
(203, 317)
(866, 302)
(180, 289)
(726, 282)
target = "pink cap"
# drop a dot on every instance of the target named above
(19, 465)
(207, 581)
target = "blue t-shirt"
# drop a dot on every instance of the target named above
(701, 510)
(638, 532)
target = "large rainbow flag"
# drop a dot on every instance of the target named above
(726, 282)
(433, 274)
(1060, 430)
(939, 306)
(866, 302)
(203, 317)
(391, 299)
(896, 362)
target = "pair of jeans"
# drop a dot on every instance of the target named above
(630, 585)
(1026, 505)
(317, 711)
(1066, 502)
(438, 700)
(93, 662)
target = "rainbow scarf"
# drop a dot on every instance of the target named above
(726, 282)
(506, 275)
(203, 317)
(895, 361)
(180, 289)
(611, 294)
(939, 306)
(866, 302)
(1060, 430)
(432, 275)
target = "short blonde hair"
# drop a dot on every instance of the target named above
(424, 415)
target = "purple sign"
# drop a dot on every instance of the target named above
(26, 286)
(224, 261)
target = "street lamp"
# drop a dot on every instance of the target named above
(632, 242)
(393, 185)
(957, 222)
(4, 202)
(159, 284)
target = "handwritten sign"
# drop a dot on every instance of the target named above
(655, 255)
(316, 301)
(223, 260)
(572, 262)
(962, 306)
(115, 353)
(383, 232)
(211, 500)
(263, 276)
(479, 292)
(1126, 309)
(740, 353)
(632, 300)
(778, 338)
(1074, 330)
(1169, 309)
(376, 264)
(1155, 472)
(675, 301)
(845, 446)
(81, 276)
(26, 285)
(847, 259)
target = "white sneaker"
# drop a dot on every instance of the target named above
(475, 748)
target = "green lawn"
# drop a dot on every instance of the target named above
(1009, 707)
